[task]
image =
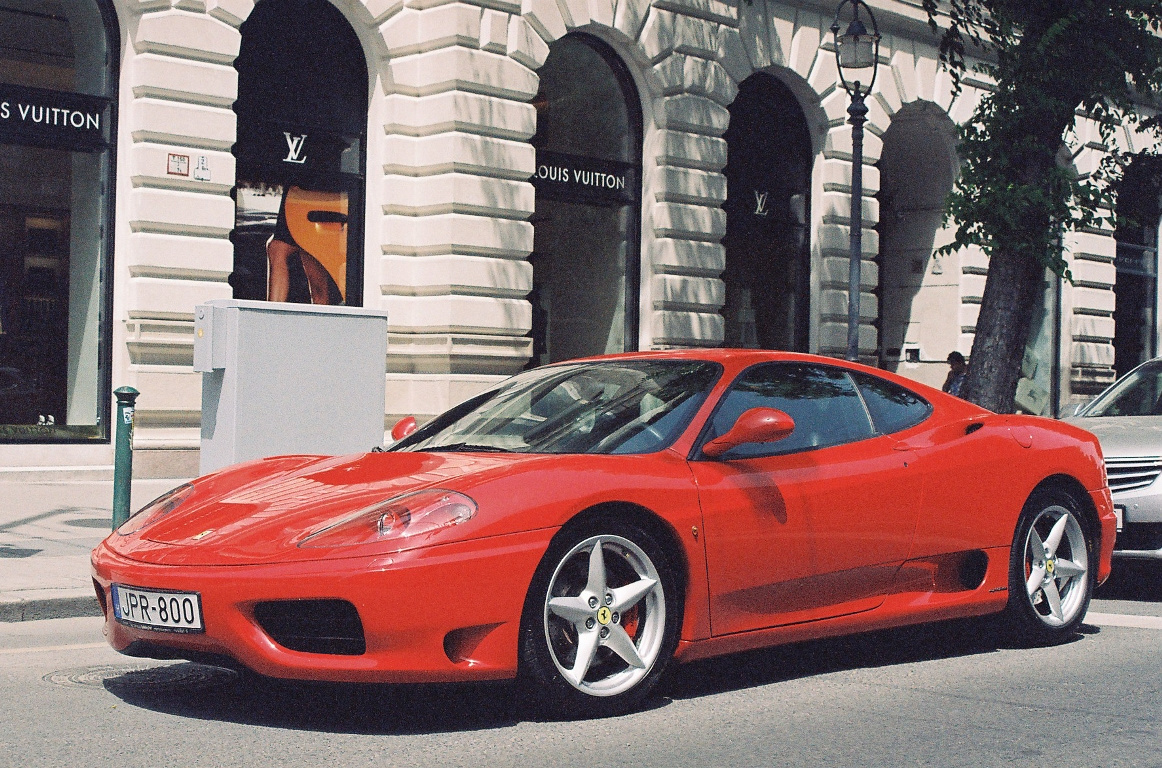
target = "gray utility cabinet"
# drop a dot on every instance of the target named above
(288, 379)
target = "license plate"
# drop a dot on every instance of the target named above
(152, 609)
(1120, 514)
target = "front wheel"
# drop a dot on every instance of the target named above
(601, 619)
(1050, 579)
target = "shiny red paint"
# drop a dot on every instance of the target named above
(854, 537)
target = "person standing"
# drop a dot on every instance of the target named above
(957, 370)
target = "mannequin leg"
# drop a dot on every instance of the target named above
(278, 276)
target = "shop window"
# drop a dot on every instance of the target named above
(768, 182)
(1136, 290)
(587, 224)
(302, 117)
(57, 75)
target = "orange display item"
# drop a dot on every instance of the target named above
(567, 529)
(318, 223)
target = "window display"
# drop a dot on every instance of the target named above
(56, 129)
(587, 225)
(768, 182)
(298, 233)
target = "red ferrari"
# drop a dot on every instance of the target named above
(583, 525)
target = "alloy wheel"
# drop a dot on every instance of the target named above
(604, 615)
(1056, 566)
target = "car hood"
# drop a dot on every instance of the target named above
(260, 512)
(1124, 435)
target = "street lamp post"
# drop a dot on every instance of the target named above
(856, 50)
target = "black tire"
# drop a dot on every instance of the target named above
(1048, 610)
(584, 626)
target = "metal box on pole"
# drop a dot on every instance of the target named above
(288, 379)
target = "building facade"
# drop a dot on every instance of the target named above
(514, 182)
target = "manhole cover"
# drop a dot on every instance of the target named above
(123, 678)
(6, 551)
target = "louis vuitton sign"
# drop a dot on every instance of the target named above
(53, 118)
(294, 153)
(573, 178)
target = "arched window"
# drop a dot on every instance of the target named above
(587, 225)
(768, 182)
(1136, 290)
(917, 167)
(58, 75)
(302, 133)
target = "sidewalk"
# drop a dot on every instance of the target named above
(47, 529)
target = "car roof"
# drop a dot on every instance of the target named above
(734, 360)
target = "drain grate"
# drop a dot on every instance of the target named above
(144, 678)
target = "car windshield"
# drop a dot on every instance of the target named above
(619, 406)
(1138, 394)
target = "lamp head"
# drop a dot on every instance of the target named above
(856, 49)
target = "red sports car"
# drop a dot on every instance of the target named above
(583, 525)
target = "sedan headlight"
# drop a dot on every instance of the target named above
(155, 509)
(403, 517)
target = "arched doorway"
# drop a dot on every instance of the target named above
(302, 133)
(587, 224)
(768, 181)
(58, 82)
(919, 293)
(1136, 291)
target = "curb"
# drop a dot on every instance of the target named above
(42, 475)
(36, 609)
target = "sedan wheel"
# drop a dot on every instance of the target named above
(1050, 582)
(601, 620)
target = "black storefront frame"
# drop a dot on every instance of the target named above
(108, 221)
(633, 255)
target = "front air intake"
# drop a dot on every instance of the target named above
(313, 626)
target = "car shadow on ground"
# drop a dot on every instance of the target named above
(1139, 580)
(944, 640)
(420, 709)
(353, 708)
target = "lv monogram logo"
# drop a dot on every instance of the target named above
(760, 203)
(294, 148)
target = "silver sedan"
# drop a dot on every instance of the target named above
(1127, 419)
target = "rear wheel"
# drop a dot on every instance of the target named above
(601, 620)
(1050, 579)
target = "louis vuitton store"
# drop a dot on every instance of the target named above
(57, 123)
(515, 186)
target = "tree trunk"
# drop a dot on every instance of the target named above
(1012, 293)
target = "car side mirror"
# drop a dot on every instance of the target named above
(404, 427)
(757, 425)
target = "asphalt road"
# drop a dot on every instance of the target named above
(933, 696)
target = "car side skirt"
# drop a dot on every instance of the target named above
(917, 599)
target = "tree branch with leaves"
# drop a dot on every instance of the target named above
(1051, 64)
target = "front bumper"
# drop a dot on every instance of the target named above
(1140, 541)
(1141, 536)
(442, 613)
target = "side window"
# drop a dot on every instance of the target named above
(893, 408)
(823, 402)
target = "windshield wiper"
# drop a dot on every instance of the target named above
(466, 448)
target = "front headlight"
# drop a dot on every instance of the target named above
(403, 517)
(155, 509)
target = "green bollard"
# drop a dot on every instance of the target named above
(123, 454)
